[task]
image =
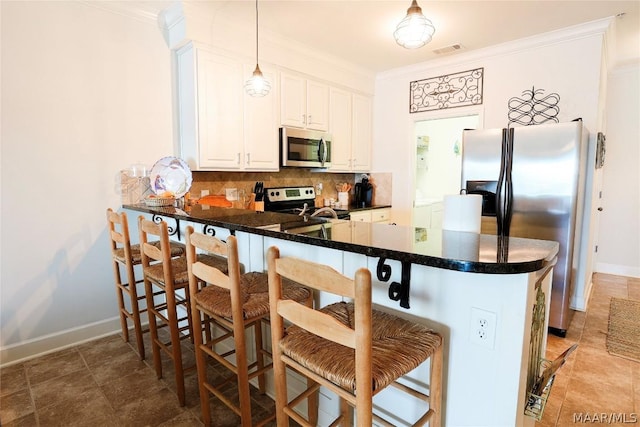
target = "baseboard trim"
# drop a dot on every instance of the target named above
(579, 302)
(617, 270)
(36, 347)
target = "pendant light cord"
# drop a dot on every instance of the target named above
(256, 32)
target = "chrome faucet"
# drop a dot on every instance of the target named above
(325, 209)
(304, 209)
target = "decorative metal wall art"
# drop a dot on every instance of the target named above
(447, 91)
(534, 108)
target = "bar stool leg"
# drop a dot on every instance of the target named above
(135, 309)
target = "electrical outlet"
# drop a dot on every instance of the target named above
(483, 327)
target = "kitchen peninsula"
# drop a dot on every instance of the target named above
(451, 281)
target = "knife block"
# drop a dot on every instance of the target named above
(255, 206)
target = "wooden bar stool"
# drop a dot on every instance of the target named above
(233, 302)
(126, 256)
(167, 293)
(348, 347)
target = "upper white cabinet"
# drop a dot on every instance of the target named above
(261, 137)
(340, 110)
(350, 127)
(304, 103)
(220, 127)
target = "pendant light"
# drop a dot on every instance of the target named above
(257, 85)
(415, 30)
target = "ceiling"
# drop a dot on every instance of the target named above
(361, 31)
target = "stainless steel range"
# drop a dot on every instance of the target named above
(298, 200)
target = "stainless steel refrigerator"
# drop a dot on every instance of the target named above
(549, 169)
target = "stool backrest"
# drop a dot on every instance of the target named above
(325, 279)
(201, 274)
(119, 234)
(151, 254)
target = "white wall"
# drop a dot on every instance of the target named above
(566, 62)
(85, 93)
(557, 62)
(619, 241)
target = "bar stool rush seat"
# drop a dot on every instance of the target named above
(126, 255)
(233, 303)
(348, 347)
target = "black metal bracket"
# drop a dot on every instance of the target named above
(397, 291)
(208, 230)
(173, 231)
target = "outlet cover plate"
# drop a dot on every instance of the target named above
(482, 330)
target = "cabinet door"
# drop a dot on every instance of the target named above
(361, 134)
(292, 100)
(422, 216)
(361, 216)
(340, 128)
(261, 137)
(220, 111)
(317, 106)
(437, 211)
(382, 216)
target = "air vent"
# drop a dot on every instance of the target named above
(448, 49)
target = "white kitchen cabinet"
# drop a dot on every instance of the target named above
(350, 128)
(261, 139)
(428, 215)
(361, 216)
(304, 103)
(382, 215)
(220, 127)
(361, 133)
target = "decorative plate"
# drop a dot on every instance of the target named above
(170, 174)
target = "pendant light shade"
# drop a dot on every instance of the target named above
(257, 85)
(415, 30)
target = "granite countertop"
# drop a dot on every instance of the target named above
(452, 250)
(354, 208)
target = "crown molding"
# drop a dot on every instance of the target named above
(143, 11)
(598, 27)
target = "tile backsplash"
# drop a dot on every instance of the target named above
(217, 182)
(133, 190)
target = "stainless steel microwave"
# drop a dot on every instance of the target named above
(304, 148)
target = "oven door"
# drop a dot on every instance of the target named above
(304, 148)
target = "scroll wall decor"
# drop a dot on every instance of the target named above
(534, 108)
(447, 91)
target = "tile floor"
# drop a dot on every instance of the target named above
(104, 383)
(594, 387)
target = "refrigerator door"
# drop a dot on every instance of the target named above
(549, 163)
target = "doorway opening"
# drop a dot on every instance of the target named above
(438, 165)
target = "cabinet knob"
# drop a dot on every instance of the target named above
(600, 209)
(238, 161)
(248, 158)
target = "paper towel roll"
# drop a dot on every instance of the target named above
(459, 245)
(462, 213)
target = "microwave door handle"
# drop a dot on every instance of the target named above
(323, 157)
